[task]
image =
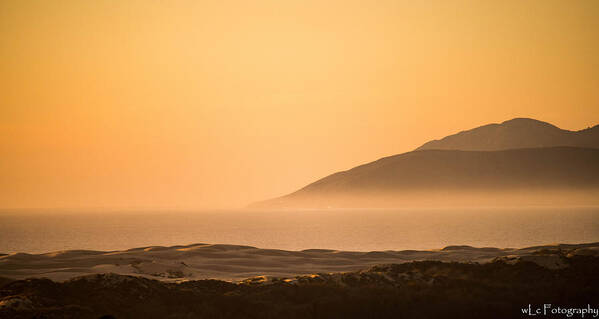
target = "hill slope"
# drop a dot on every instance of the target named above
(515, 133)
(445, 171)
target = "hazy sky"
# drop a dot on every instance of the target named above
(194, 104)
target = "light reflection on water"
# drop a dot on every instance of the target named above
(361, 230)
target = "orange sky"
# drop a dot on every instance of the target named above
(195, 104)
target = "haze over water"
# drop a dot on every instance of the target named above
(358, 229)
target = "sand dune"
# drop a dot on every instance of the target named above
(235, 262)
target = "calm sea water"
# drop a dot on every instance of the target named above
(362, 230)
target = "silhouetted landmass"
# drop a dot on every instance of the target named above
(427, 289)
(541, 167)
(430, 172)
(515, 133)
(491, 164)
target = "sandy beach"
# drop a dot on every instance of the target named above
(235, 263)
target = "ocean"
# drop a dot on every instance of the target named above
(355, 229)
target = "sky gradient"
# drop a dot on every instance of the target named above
(199, 104)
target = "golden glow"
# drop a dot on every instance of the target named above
(219, 103)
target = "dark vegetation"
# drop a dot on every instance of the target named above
(427, 289)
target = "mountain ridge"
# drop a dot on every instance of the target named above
(566, 152)
(515, 133)
(476, 161)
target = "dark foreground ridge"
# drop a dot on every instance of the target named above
(425, 289)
